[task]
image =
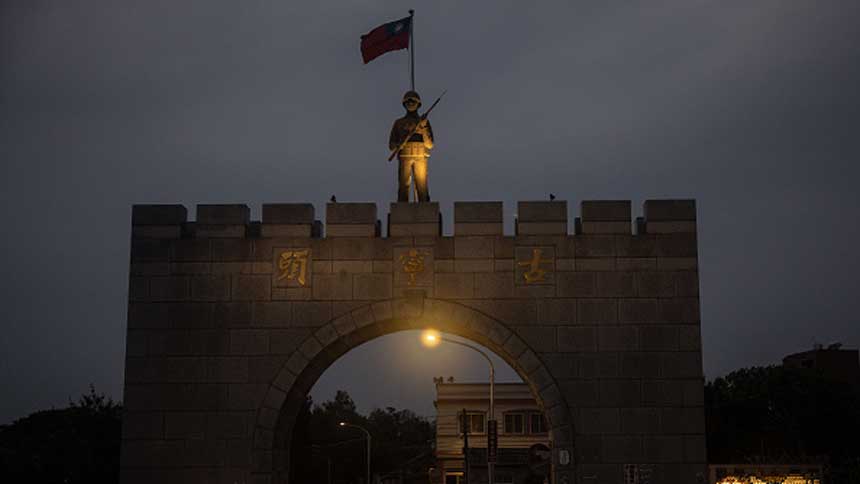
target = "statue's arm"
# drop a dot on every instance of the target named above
(428, 136)
(393, 141)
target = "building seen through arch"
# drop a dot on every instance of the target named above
(523, 436)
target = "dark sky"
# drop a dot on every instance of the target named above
(751, 107)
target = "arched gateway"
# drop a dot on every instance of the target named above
(231, 322)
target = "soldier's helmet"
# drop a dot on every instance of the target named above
(411, 95)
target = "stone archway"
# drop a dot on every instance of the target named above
(602, 322)
(287, 392)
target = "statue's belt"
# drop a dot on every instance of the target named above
(413, 148)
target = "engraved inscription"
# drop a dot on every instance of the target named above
(412, 263)
(293, 266)
(535, 268)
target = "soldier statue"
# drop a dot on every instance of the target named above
(413, 152)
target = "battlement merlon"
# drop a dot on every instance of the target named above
(597, 217)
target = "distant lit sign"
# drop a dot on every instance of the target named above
(563, 457)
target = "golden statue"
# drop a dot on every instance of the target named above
(411, 140)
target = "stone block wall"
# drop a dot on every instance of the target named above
(230, 319)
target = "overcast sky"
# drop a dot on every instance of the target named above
(751, 107)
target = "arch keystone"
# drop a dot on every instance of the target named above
(408, 308)
(436, 310)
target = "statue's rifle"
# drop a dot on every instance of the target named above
(415, 129)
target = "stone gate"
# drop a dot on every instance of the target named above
(231, 322)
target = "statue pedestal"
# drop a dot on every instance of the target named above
(414, 219)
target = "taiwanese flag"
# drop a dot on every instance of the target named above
(385, 38)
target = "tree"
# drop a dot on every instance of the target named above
(778, 414)
(78, 444)
(404, 442)
(81, 443)
(399, 439)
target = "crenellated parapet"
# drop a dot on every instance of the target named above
(411, 219)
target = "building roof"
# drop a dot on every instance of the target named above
(459, 392)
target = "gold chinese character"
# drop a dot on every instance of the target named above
(534, 272)
(413, 264)
(294, 266)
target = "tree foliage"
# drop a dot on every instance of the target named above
(77, 444)
(779, 414)
(401, 441)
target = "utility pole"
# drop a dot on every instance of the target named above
(465, 447)
(366, 433)
(432, 339)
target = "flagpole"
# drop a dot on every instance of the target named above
(412, 47)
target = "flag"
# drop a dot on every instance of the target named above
(385, 38)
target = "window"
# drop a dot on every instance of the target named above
(514, 423)
(537, 425)
(525, 422)
(475, 420)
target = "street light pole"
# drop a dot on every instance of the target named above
(344, 424)
(429, 337)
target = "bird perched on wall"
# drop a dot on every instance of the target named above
(333, 199)
(551, 197)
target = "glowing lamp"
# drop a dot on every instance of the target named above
(431, 338)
